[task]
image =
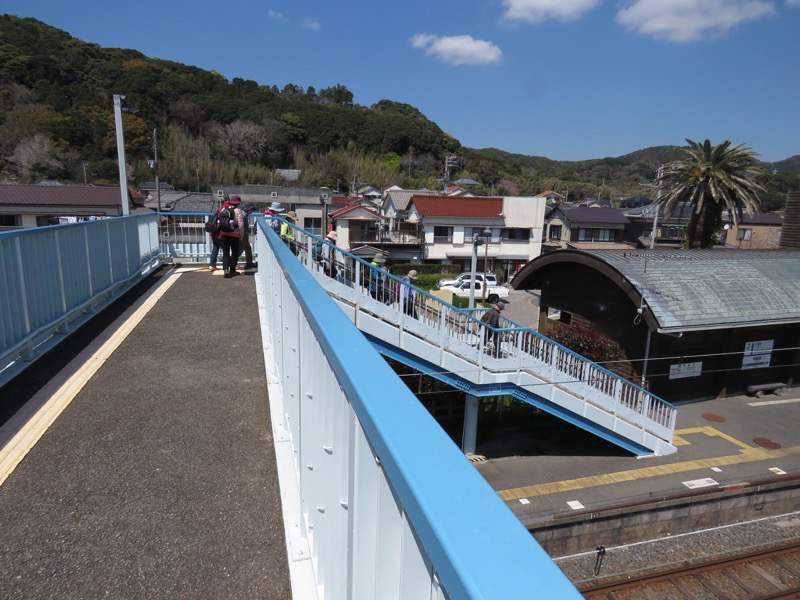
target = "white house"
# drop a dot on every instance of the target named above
(505, 232)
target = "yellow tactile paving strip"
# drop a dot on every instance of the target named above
(746, 454)
(24, 429)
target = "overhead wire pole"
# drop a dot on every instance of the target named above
(450, 162)
(487, 234)
(155, 167)
(657, 207)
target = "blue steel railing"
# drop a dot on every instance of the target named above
(378, 501)
(56, 278)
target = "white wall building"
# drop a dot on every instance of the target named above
(450, 224)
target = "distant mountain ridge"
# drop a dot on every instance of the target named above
(59, 87)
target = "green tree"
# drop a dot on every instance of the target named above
(711, 179)
(338, 95)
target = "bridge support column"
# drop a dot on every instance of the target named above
(470, 433)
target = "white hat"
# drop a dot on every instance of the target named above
(412, 274)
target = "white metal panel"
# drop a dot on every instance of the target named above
(388, 570)
(364, 519)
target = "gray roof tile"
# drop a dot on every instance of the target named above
(713, 288)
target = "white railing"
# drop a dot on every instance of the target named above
(183, 236)
(453, 339)
(55, 278)
(379, 503)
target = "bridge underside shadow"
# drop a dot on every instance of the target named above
(505, 389)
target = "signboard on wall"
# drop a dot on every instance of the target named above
(757, 354)
(683, 370)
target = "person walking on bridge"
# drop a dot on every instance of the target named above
(408, 296)
(229, 240)
(491, 335)
(244, 242)
(287, 231)
(329, 255)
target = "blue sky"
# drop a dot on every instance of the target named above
(566, 79)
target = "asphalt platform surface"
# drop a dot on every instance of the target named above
(553, 469)
(158, 479)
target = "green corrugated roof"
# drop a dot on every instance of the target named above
(700, 289)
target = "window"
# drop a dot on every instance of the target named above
(471, 232)
(516, 234)
(670, 232)
(596, 235)
(8, 221)
(555, 233)
(744, 234)
(442, 234)
(313, 225)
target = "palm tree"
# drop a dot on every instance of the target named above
(710, 179)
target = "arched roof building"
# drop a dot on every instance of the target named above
(699, 323)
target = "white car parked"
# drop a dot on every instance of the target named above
(481, 277)
(493, 292)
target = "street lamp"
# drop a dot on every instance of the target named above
(487, 234)
(123, 175)
(476, 241)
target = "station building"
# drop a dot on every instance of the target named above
(694, 324)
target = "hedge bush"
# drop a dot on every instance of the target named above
(587, 342)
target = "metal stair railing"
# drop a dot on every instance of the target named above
(457, 336)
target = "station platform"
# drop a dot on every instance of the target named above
(137, 460)
(723, 444)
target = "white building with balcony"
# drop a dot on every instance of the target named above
(511, 226)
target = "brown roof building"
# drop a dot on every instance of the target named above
(23, 206)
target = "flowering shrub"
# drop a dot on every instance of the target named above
(587, 342)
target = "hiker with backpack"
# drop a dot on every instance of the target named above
(329, 256)
(230, 225)
(408, 297)
(244, 242)
(377, 276)
(287, 232)
(491, 335)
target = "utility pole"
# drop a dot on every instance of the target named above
(155, 167)
(123, 174)
(487, 234)
(450, 162)
(657, 207)
(83, 164)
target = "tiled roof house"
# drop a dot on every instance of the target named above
(37, 205)
(450, 224)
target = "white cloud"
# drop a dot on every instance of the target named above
(458, 49)
(690, 20)
(274, 14)
(536, 11)
(310, 24)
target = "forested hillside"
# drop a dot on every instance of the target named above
(57, 122)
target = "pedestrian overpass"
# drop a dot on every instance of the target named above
(377, 501)
(453, 346)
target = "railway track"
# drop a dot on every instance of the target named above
(764, 574)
